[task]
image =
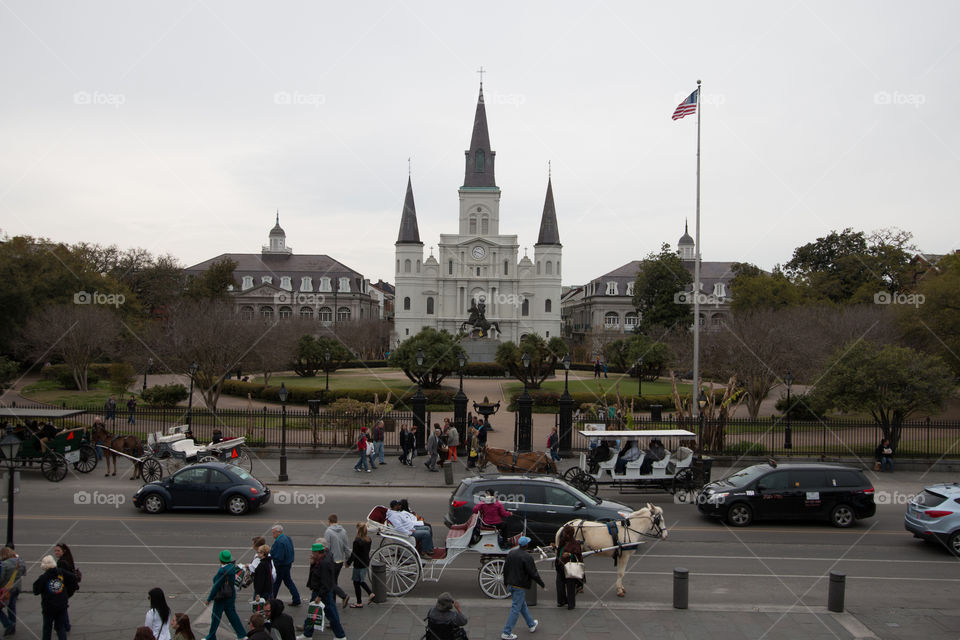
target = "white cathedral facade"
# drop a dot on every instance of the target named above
(478, 263)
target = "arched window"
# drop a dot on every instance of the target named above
(430, 306)
(506, 267)
(325, 314)
(525, 308)
(558, 267)
(611, 320)
(246, 313)
(343, 314)
(266, 312)
(473, 224)
(285, 312)
(418, 266)
(549, 267)
(548, 306)
(407, 265)
(450, 267)
(484, 225)
(406, 304)
(306, 313)
(398, 266)
(631, 320)
(538, 267)
(480, 160)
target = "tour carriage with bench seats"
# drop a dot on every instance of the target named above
(178, 448)
(405, 567)
(678, 472)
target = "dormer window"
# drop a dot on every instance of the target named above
(266, 279)
(720, 290)
(306, 283)
(324, 284)
(247, 282)
(285, 283)
(344, 285)
(630, 288)
(612, 288)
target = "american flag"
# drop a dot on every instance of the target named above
(686, 107)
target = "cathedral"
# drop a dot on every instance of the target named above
(478, 273)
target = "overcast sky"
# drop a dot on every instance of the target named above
(181, 127)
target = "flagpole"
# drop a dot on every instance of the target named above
(696, 281)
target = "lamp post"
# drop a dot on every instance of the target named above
(149, 364)
(193, 372)
(640, 376)
(10, 446)
(787, 432)
(460, 404)
(326, 367)
(566, 411)
(419, 402)
(522, 435)
(701, 403)
(283, 394)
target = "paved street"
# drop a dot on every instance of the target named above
(765, 581)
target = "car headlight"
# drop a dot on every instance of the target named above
(623, 514)
(717, 498)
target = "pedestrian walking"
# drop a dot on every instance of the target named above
(12, 570)
(604, 369)
(132, 408)
(54, 586)
(223, 594)
(158, 618)
(337, 545)
(445, 619)
(378, 437)
(568, 582)
(282, 552)
(405, 446)
(453, 441)
(259, 541)
(263, 574)
(553, 444)
(181, 627)
(65, 561)
(433, 448)
(110, 411)
(596, 368)
(519, 573)
(360, 560)
(278, 621)
(482, 432)
(362, 443)
(321, 580)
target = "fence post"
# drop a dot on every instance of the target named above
(265, 443)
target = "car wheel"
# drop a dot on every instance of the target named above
(842, 516)
(154, 503)
(238, 505)
(739, 514)
(953, 543)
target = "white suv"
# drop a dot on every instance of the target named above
(934, 514)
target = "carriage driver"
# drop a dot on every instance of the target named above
(407, 523)
(493, 513)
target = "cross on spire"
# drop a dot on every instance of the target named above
(409, 167)
(481, 72)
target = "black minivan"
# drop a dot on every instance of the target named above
(540, 504)
(841, 495)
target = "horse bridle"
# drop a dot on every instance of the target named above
(656, 524)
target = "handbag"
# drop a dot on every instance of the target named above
(370, 449)
(573, 571)
(876, 465)
(225, 592)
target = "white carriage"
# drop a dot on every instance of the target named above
(177, 450)
(678, 472)
(406, 567)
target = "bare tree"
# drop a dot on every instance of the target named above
(274, 350)
(79, 334)
(369, 337)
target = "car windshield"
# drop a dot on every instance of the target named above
(745, 476)
(928, 498)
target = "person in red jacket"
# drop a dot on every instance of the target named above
(362, 450)
(493, 513)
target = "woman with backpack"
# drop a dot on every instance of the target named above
(223, 594)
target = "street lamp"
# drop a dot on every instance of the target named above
(640, 376)
(149, 364)
(787, 432)
(461, 360)
(326, 359)
(522, 434)
(193, 372)
(283, 394)
(419, 402)
(566, 410)
(701, 403)
(566, 372)
(525, 359)
(10, 446)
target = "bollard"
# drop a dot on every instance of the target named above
(838, 583)
(448, 473)
(378, 573)
(681, 586)
(532, 595)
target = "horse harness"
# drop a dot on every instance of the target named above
(656, 521)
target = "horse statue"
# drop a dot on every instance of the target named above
(644, 523)
(478, 319)
(507, 461)
(129, 445)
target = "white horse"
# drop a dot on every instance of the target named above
(639, 525)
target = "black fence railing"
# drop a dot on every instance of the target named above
(835, 437)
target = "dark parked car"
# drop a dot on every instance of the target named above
(841, 495)
(209, 485)
(545, 503)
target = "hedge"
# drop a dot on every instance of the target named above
(483, 370)
(542, 398)
(269, 393)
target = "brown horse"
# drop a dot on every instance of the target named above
(507, 461)
(129, 445)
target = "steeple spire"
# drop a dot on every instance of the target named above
(409, 232)
(549, 233)
(479, 170)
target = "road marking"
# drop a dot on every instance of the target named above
(856, 628)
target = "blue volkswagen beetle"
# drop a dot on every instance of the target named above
(209, 485)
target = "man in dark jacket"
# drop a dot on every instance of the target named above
(442, 620)
(277, 619)
(282, 554)
(323, 580)
(54, 586)
(519, 572)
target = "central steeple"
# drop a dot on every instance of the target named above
(480, 158)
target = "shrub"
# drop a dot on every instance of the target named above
(63, 374)
(165, 395)
(121, 377)
(543, 398)
(298, 395)
(484, 370)
(745, 448)
(804, 406)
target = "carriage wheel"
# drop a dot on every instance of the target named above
(173, 465)
(582, 480)
(491, 579)
(88, 459)
(402, 565)
(209, 459)
(683, 481)
(54, 467)
(151, 470)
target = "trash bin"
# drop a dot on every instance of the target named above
(378, 573)
(656, 412)
(448, 473)
(703, 466)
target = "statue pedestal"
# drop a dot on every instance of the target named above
(480, 349)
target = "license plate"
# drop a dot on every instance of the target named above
(72, 456)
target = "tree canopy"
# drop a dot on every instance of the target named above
(311, 355)
(440, 351)
(545, 357)
(661, 277)
(624, 353)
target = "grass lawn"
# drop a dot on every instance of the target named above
(49, 391)
(628, 386)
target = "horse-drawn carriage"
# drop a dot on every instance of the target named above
(178, 448)
(51, 449)
(678, 472)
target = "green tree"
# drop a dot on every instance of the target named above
(122, 376)
(661, 277)
(932, 321)
(754, 289)
(440, 350)
(625, 353)
(8, 371)
(212, 284)
(311, 355)
(544, 358)
(888, 381)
